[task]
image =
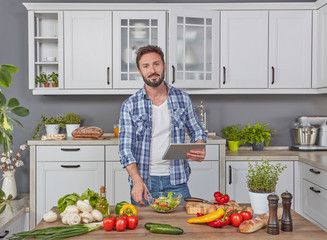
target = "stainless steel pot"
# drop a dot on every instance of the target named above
(306, 135)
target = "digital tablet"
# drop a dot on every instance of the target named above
(179, 150)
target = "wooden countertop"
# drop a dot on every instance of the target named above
(303, 229)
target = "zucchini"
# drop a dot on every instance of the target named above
(166, 230)
(149, 225)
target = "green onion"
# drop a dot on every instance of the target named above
(58, 232)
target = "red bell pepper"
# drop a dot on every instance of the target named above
(221, 197)
(220, 222)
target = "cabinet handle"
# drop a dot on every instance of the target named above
(224, 75)
(272, 75)
(4, 234)
(70, 166)
(314, 171)
(230, 174)
(70, 149)
(173, 67)
(314, 190)
(108, 81)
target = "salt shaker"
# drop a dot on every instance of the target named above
(287, 224)
(273, 226)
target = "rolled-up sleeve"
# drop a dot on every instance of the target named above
(126, 136)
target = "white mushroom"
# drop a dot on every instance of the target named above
(50, 216)
(86, 217)
(83, 206)
(63, 214)
(97, 215)
(64, 219)
(71, 208)
(73, 219)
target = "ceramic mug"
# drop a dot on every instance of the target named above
(50, 59)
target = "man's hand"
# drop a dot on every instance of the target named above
(138, 191)
(197, 154)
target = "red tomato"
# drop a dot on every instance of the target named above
(109, 223)
(227, 219)
(121, 224)
(236, 219)
(164, 205)
(156, 202)
(132, 222)
(246, 215)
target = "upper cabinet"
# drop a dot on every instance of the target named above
(244, 49)
(88, 49)
(132, 30)
(45, 38)
(290, 49)
(194, 49)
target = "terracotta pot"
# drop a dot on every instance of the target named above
(46, 84)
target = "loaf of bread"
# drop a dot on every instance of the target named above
(250, 226)
(87, 132)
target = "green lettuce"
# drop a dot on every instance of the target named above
(69, 199)
(93, 197)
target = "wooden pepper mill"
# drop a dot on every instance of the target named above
(273, 225)
(287, 224)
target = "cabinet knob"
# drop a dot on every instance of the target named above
(230, 174)
(314, 171)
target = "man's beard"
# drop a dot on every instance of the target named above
(156, 83)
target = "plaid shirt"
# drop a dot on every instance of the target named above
(135, 129)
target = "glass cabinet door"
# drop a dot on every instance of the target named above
(133, 30)
(194, 49)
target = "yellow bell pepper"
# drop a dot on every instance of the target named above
(208, 217)
(128, 209)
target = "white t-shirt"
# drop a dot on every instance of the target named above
(161, 125)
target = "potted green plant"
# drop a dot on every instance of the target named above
(258, 135)
(51, 124)
(54, 79)
(72, 122)
(261, 181)
(12, 106)
(234, 135)
(45, 79)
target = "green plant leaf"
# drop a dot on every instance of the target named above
(9, 197)
(13, 102)
(3, 100)
(2, 208)
(5, 74)
(20, 111)
(9, 68)
(2, 194)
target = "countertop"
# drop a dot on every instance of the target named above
(107, 139)
(302, 228)
(20, 206)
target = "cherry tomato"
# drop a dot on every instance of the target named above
(109, 223)
(164, 205)
(156, 202)
(121, 224)
(236, 219)
(246, 215)
(132, 222)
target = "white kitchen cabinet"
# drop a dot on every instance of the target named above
(21, 224)
(132, 30)
(88, 49)
(66, 174)
(244, 49)
(45, 46)
(314, 195)
(290, 34)
(236, 186)
(204, 177)
(194, 48)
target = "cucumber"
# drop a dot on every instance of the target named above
(166, 230)
(149, 225)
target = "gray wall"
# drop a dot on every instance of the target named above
(103, 111)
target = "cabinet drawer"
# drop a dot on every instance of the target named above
(315, 175)
(212, 152)
(112, 154)
(315, 202)
(69, 153)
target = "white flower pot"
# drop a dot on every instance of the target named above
(52, 129)
(259, 202)
(70, 128)
(9, 184)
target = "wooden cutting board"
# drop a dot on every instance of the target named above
(200, 207)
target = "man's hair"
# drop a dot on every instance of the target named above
(148, 49)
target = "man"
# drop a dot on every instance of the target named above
(156, 115)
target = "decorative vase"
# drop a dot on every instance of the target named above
(259, 202)
(233, 145)
(9, 183)
(70, 128)
(258, 146)
(52, 129)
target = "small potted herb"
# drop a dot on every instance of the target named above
(234, 135)
(52, 125)
(72, 122)
(258, 135)
(54, 79)
(261, 181)
(45, 79)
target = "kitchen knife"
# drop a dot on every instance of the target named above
(194, 199)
